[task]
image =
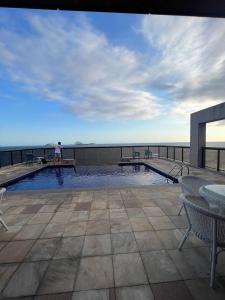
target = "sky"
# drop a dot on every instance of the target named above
(107, 78)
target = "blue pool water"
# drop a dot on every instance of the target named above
(88, 177)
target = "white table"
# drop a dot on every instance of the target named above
(214, 194)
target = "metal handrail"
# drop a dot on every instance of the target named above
(180, 170)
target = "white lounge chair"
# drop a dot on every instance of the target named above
(2, 191)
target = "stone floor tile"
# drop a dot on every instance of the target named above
(26, 279)
(69, 247)
(132, 203)
(48, 208)
(99, 214)
(172, 238)
(171, 210)
(97, 245)
(95, 273)
(140, 224)
(123, 243)
(118, 213)
(2, 245)
(32, 209)
(15, 251)
(14, 210)
(102, 294)
(43, 249)
(160, 267)
(115, 204)
(99, 204)
(17, 220)
(128, 270)
(75, 229)
(61, 217)
(192, 238)
(40, 218)
(171, 291)
(64, 296)
(141, 292)
(135, 213)
(192, 263)
(147, 203)
(179, 221)
(66, 207)
(59, 277)
(200, 289)
(98, 227)
(29, 232)
(83, 206)
(148, 240)
(6, 271)
(161, 223)
(53, 230)
(78, 216)
(120, 225)
(153, 211)
(8, 235)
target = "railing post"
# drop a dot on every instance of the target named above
(148, 152)
(218, 160)
(174, 154)
(167, 152)
(182, 154)
(203, 157)
(158, 151)
(121, 152)
(11, 158)
(74, 153)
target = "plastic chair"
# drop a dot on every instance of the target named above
(207, 226)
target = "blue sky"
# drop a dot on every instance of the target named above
(107, 78)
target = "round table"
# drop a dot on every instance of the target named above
(214, 194)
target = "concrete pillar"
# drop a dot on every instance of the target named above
(198, 140)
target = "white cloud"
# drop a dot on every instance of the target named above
(189, 60)
(74, 64)
(61, 59)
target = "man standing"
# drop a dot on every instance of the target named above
(58, 155)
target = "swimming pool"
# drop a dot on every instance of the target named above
(88, 177)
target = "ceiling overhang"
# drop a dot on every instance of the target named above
(204, 8)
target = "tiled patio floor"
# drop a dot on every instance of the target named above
(102, 245)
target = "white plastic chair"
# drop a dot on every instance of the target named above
(2, 191)
(207, 226)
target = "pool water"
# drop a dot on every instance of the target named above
(88, 177)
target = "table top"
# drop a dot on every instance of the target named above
(216, 189)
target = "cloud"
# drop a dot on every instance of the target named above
(68, 61)
(189, 61)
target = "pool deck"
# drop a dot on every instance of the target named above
(108, 244)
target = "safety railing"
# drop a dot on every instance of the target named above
(98, 154)
(213, 158)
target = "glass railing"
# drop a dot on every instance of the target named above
(97, 154)
(214, 158)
